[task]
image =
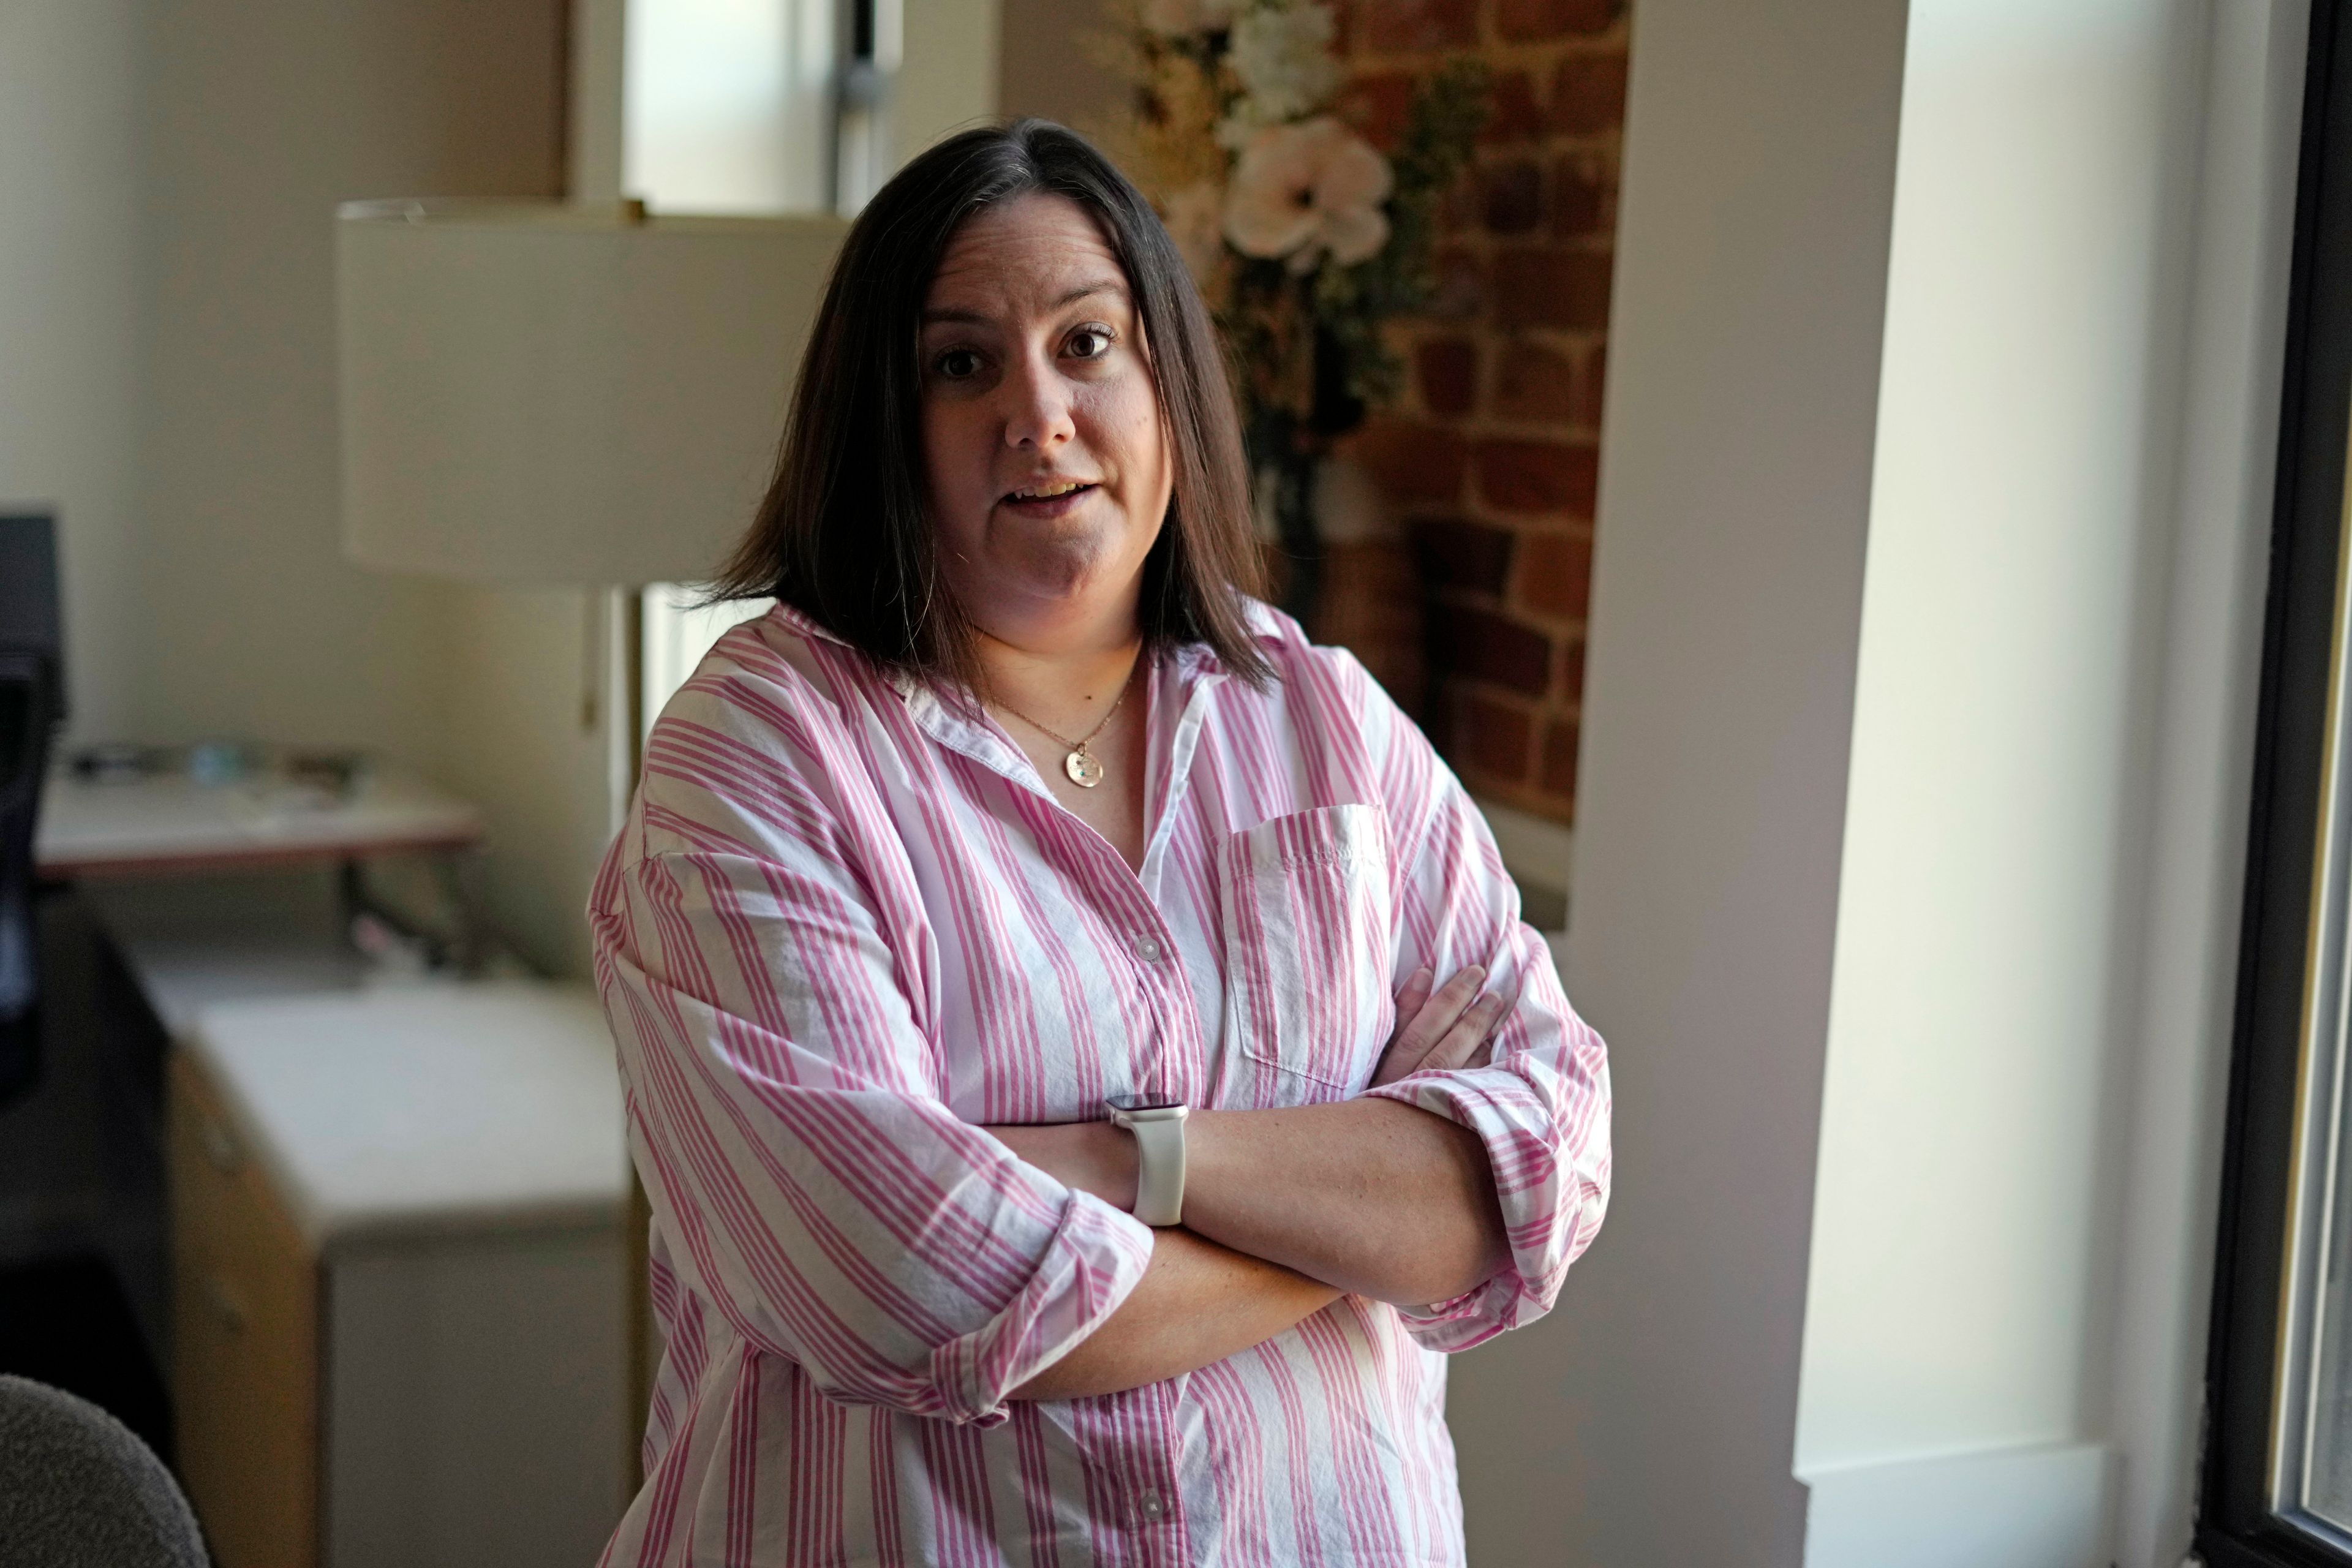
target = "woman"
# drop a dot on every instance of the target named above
(1014, 828)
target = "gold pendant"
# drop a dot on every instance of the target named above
(1085, 771)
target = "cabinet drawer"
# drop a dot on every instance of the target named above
(245, 1341)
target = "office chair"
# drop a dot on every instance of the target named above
(26, 711)
(32, 702)
(78, 1490)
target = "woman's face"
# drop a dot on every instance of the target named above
(1046, 463)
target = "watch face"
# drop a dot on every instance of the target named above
(1131, 1103)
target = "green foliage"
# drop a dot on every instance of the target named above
(1351, 302)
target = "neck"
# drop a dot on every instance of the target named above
(1061, 670)
(1033, 679)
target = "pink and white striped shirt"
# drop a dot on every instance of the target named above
(847, 924)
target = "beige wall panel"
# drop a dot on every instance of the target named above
(1046, 67)
(259, 118)
(69, 322)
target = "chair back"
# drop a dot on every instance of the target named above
(78, 1490)
(27, 714)
(32, 702)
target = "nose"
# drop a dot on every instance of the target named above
(1035, 405)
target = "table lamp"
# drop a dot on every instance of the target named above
(574, 394)
(549, 394)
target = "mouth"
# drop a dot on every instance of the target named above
(1048, 498)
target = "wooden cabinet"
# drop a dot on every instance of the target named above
(398, 1296)
(246, 1341)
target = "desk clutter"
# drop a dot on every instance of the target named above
(120, 810)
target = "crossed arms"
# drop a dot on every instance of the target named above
(1286, 1210)
(763, 949)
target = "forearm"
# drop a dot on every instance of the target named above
(1197, 1303)
(1378, 1198)
(1375, 1197)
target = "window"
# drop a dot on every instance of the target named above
(745, 106)
(730, 106)
(678, 634)
(2278, 1464)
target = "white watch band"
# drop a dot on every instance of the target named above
(1160, 1162)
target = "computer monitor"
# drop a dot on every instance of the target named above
(32, 618)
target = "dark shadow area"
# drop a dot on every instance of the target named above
(66, 1321)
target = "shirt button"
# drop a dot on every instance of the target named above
(1153, 1506)
(1147, 949)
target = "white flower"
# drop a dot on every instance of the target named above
(1282, 53)
(1195, 219)
(1299, 190)
(1174, 19)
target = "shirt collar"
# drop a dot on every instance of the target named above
(1192, 660)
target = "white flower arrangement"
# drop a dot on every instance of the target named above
(1304, 237)
(1281, 55)
(1302, 191)
(1302, 234)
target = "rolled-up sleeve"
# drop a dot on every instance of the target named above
(784, 1113)
(1541, 1108)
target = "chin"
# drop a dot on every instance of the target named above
(1060, 579)
(1053, 564)
(1065, 558)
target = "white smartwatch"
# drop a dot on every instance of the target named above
(1159, 1157)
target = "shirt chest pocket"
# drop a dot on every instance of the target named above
(1304, 900)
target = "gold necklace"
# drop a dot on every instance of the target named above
(1086, 769)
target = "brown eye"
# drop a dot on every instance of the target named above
(958, 364)
(1090, 342)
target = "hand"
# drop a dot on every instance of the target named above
(1441, 1030)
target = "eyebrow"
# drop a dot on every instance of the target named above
(974, 319)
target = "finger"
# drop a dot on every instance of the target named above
(1415, 1030)
(1463, 1039)
(1415, 995)
(1420, 1030)
(1438, 1014)
(1409, 1001)
(1449, 1049)
(1491, 1047)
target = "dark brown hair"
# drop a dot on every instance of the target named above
(845, 535)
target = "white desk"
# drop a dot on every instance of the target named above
(167, 823)
(417, 1111)
(399, 1275)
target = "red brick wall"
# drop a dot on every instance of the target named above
(1491, 457)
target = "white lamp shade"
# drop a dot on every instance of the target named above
(541, 394)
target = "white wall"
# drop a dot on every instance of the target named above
(258, 118)
(2037, 942)
(1924, 870)
(69, 315)
(949, 70)
(166, 322)
(513, 665)
(1989, 901)
(165, 288)
(1649, 1420)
